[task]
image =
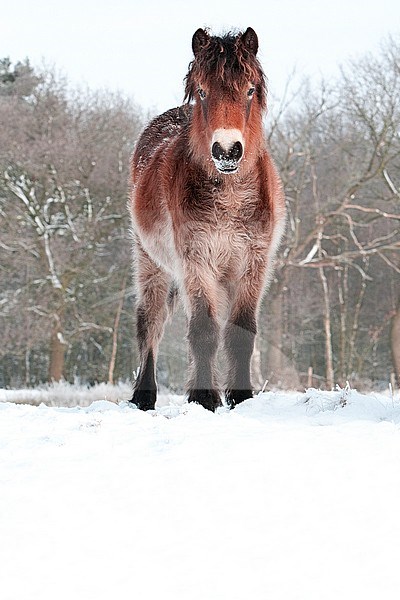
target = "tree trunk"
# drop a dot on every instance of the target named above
(355, 328)
(343, 305)
(27, 366)
(115, 333)
(395, 343)
(275, 316)
(328, 335)
(57, 351)
(281, 369)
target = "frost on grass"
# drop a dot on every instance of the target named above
(66, 394)
(350, 404)
(70, 395)
(346, 402)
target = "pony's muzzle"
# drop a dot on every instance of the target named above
(227, 149)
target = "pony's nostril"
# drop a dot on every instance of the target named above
(236, 151)
(217, 151)
(234, 154)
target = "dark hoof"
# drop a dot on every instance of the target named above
(144, 399)
(209, 399)
(234, 397)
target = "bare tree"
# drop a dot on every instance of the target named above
(338, 153)
(395, 343)
(64, 194)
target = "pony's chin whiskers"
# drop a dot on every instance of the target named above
(226, 169)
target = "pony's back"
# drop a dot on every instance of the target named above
(160, 132)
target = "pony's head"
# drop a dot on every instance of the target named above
(227, 84)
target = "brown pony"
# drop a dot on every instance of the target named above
(208, 214)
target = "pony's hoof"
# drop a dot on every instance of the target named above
(209, 399)
(234, 397)
(144, 399)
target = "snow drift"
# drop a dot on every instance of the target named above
(288, 496)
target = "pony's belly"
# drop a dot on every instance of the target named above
(227, 252)
(244, 253)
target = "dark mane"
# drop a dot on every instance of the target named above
(226, 59)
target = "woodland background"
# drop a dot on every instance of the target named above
(66, 298)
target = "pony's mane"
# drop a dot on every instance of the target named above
(226, 59)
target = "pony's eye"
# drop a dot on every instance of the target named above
(251, 91)
(202, 93)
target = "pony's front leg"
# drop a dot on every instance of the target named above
(203, 337)
(239, 336)
(152, 287)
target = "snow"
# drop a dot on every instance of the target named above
(65, 394)
(289, 496)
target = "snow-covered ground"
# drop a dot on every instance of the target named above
(289, 496)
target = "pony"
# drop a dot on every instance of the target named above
(208, 214)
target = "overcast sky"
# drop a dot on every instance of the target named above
(143, 48)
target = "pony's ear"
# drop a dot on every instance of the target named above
(199, 41)
(249, 40)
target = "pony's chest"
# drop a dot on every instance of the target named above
(235, 211)
(227, 238)
(225, 249)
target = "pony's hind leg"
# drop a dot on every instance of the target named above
(152, 287)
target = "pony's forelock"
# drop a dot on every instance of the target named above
(226, 59)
